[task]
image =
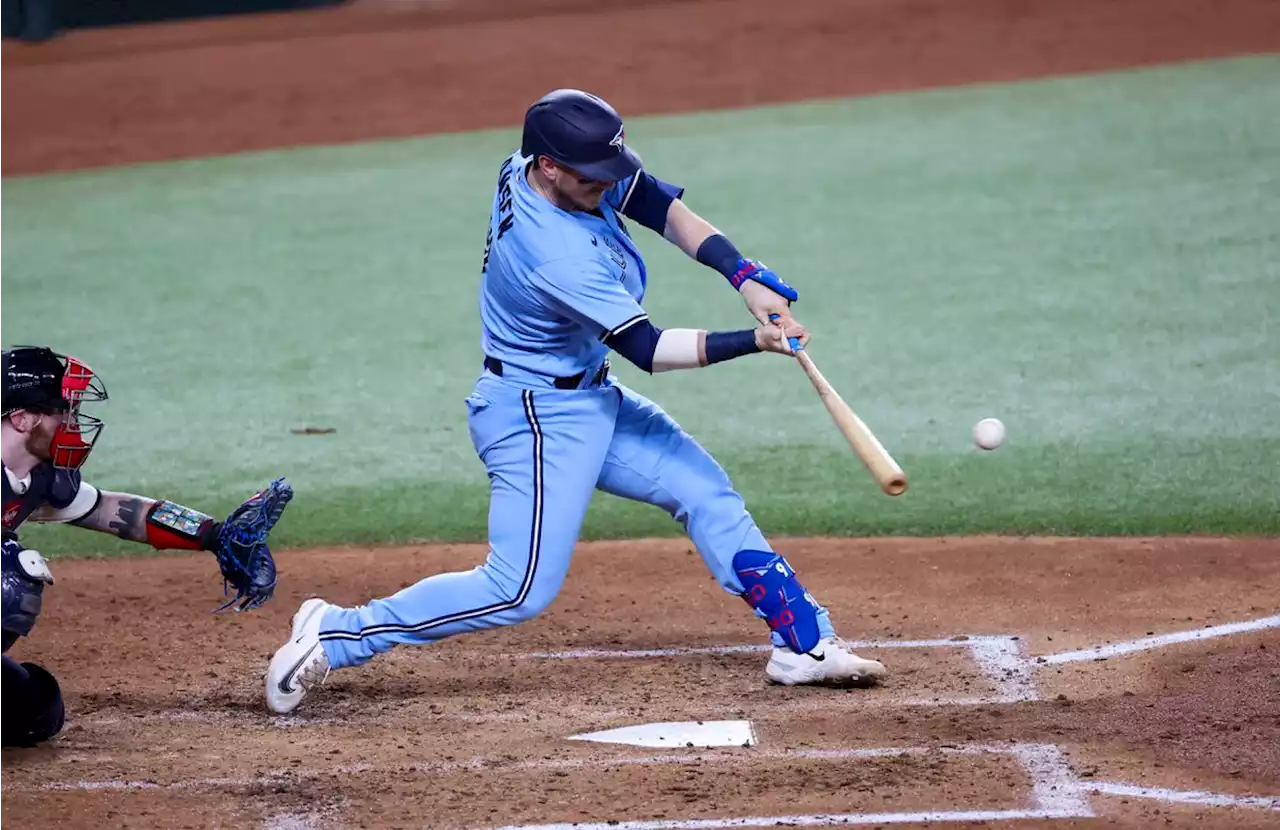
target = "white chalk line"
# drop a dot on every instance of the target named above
(1158, 641)
(242, 719)
(999, 658)
(1003, 663)
(292, 821)
(1182, 796)
(483, 763)
(1053, 784)
(963, 641)
(843, 819)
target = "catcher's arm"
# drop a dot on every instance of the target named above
(239, 543)
(125, 515)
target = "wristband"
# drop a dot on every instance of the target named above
(726, 345)
(717, 252)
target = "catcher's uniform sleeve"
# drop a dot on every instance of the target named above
(69, 499)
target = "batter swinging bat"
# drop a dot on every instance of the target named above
(883, 468)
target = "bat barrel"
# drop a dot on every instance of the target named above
(864, 443)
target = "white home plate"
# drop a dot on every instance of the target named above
(702, 733)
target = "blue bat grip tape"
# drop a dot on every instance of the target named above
(794, 341)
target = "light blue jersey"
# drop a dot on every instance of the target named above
(555, 283)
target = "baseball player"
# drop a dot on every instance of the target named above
(561, 286)
(46, 438)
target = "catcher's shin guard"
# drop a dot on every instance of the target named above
(771, 588)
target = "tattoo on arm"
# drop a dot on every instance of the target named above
(123, 514)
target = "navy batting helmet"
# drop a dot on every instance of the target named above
(580, 131)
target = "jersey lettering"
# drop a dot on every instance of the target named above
(506, 217)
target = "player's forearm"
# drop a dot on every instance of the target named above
(686, 229)
(120, 514)
(162, 524)
(700, 240)
(657, 350)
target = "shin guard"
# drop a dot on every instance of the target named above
(771, 588)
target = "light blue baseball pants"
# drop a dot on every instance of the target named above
(546, 452)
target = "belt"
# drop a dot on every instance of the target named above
(572, 382)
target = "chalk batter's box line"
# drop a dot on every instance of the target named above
(1000, 659)
(1009, 644)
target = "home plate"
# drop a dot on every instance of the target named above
(702, 733)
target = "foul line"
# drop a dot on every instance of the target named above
(1158, 641)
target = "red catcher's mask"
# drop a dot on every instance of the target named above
(75, 436)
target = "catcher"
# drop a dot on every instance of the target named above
(46, 439)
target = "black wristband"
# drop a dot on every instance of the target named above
(726, 345)
(717, 252)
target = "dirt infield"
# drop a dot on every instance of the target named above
(168, 727)
(1042, 682)
(384, 68)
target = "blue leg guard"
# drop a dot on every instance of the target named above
(774, 592)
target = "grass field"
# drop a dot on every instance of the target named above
(1094, 260)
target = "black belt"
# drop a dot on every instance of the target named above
(572, 382)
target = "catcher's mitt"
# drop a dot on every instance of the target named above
(243, 555)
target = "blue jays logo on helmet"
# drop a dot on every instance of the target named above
(580, 131)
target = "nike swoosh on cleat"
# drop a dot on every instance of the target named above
(284, 681)
(818, 657)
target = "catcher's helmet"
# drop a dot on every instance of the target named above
(580, 131)
(40, 380)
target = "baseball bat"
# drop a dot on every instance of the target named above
(868, 448)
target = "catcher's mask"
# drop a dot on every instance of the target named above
(40, 380)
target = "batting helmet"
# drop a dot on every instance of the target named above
(38, 379)
(580, 131)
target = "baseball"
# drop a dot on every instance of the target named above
(988, 433)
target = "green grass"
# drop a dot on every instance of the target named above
(1094, 260)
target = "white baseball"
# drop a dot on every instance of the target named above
(988, 433)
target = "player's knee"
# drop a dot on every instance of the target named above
(540, 596)
(33, 707)
(524, 602)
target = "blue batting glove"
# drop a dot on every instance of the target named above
(750, 269)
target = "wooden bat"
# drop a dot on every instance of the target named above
(886, 471)
(883, 468)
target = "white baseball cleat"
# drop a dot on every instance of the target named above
(831, 663)
(300, 664)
